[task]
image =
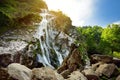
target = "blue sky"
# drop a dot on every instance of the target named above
(107, 12)
(88, 12)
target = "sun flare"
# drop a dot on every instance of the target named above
(78, 10)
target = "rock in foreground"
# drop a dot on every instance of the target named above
(19, 72)
(46, 73)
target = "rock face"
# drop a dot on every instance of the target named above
(5, 59)
(19, 72)
(18, 57)
(13, 57)
(71, 63)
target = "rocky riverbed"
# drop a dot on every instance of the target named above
(102, 67)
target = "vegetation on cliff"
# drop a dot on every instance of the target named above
(62, 22)
(14, 13)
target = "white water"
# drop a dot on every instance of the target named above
(46, 36)
(43, 36)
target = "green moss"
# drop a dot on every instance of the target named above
(116, 54)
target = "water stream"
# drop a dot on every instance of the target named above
(46, 35)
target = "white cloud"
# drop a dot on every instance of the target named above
(78, 10)
(117, 22)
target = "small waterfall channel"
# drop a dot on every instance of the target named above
(50, 54)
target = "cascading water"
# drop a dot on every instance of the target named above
(43, 36)
(52, 49)
(46, 36)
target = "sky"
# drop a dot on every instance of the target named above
(88, 12)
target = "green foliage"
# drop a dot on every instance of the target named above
(62, 22)
(111, 37)
(5, 20)
(91, 36)
(101, 40)
(20, 12)
(83, 53)
(116, 54)
(82, 49)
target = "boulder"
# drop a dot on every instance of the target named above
(101, 58)
(89, 71)
(76, 75)
(96, 65)
(59, 77)
(46, 73)
(19, 72)
(90, 74)
(105, 69)
(72, 62)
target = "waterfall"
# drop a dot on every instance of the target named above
(46, 35)
(54, 45)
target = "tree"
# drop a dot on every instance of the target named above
(91, 36)
(111, 37)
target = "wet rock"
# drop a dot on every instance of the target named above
(105, 69)
(101, 58)
(118, 78)
(5, 59)
(45, 73)
(76, 75)
(19, 72)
